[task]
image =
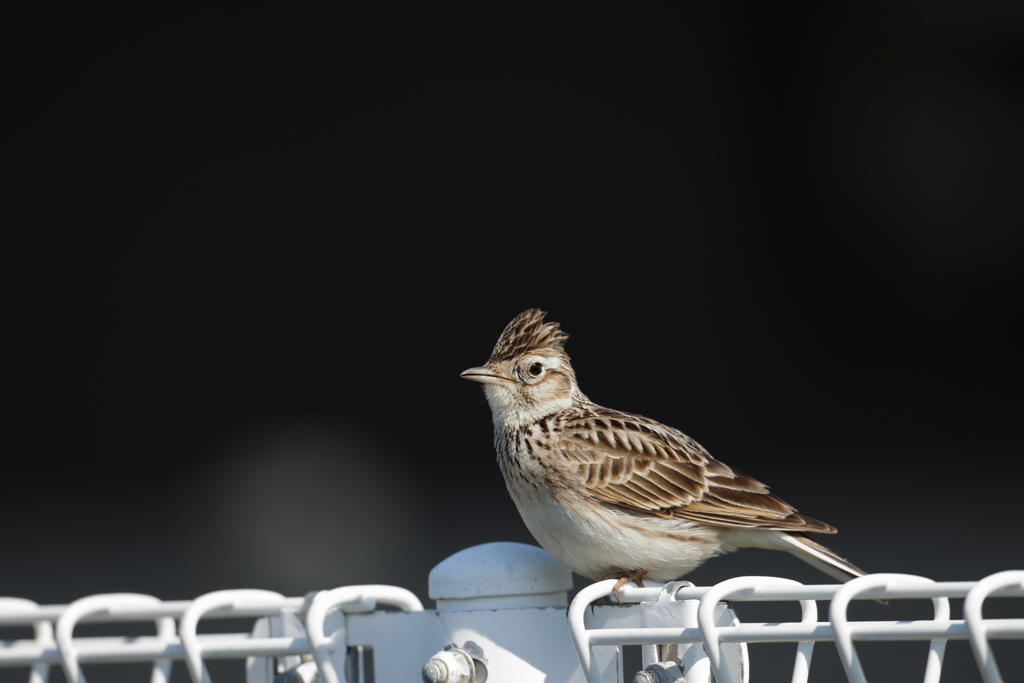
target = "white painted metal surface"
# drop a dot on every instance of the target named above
(499, 576)
(495, 606)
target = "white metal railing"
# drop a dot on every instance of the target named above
(809, 630)
(320, 636)
(44, 651)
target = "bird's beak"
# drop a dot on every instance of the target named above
(485, 375)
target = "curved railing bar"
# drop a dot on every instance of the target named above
(578, 632)
(709, 631)
(976, 625)
(109, 603)
(348, 599)
(205, 603)
(843, 633)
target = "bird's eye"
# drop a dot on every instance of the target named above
(536, 369)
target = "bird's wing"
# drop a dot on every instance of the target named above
(639, 464)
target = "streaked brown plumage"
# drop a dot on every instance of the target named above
(611, 494)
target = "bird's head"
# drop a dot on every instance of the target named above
(528, 375)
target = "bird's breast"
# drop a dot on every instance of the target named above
(528, 460)
(520, 462)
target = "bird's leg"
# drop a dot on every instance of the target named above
(636, 576)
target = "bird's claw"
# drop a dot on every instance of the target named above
(636, 576)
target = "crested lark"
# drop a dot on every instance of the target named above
(615, 495)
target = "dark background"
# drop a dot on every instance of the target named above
(258, 245)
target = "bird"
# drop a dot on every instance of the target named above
(613, 495)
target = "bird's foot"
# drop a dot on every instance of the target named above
(636, 576)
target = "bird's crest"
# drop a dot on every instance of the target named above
(528, 333)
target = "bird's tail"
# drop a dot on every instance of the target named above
(818, 556)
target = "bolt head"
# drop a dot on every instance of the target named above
(435, 671)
